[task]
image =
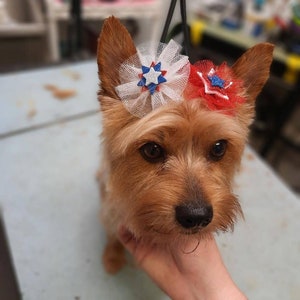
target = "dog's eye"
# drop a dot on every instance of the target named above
(218, 149)
(152, 152)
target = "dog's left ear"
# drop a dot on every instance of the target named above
(115, 45)
(253, 67)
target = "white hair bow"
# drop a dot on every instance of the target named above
(153, 77)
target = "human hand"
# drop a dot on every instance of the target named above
(195, 275)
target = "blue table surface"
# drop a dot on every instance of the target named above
(49, 155)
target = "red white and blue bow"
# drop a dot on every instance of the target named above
(153, 77)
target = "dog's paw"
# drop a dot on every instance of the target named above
(114, 257)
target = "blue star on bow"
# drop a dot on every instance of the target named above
(216, 81)
(152, 77)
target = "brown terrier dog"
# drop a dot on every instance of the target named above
(167, 176)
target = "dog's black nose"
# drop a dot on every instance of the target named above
(189, 215)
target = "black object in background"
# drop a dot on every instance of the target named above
(9, 289)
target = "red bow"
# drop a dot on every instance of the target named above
(217, 85)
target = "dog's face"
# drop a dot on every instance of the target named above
(171, 171)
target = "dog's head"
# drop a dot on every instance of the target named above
(171, 170)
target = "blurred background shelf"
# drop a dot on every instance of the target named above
(51, 27)
(149, 12)
(21, 30)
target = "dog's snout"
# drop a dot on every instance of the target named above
(189, 216)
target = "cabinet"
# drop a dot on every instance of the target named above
(22, 29)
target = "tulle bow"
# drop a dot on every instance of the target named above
(153, 77)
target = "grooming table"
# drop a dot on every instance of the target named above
(49, 154)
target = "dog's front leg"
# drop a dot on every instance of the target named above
(113, 255)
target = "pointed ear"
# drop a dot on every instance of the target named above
(115, 45)
(253, 67)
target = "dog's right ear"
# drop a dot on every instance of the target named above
(115, 45)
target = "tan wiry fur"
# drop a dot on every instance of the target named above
(142, 195)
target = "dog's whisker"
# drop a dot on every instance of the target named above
(193, 250)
